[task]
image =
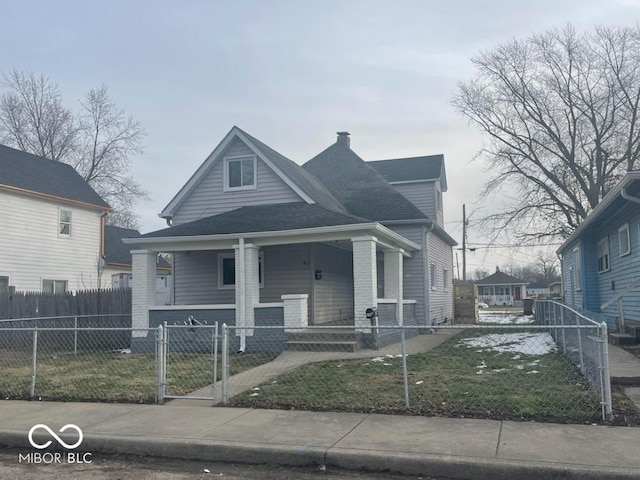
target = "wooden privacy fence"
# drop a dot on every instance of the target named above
(15, 305)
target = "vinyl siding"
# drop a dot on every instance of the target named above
(333, 294)
(439, 253)
(572, 297)
(196, 279)
(423, 195)
(31, 250)
(413, 275)
(623, 270)
(286, 272)
(441, 299)
(209, 197)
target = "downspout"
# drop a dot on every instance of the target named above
(242, 295)
(624, 194)
(426, 278)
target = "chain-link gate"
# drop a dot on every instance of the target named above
(187, 361)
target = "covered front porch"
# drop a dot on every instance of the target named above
(291, 279)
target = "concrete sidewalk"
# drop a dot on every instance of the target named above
(440, 447)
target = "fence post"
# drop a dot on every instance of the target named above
(405, 375)
(75, 335)
(564, 340)
(165, 355)
(225, 364)
(604, 374)
(159, 364)
(580, 352)
(214, 388)
(34, 362)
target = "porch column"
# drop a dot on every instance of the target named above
(365, 282)
(393, 286)
(143, 293)
(247, 286)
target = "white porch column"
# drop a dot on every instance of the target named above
(247, 287)
(143, 291)
(296, 312)
(393, 286)
(365, 282)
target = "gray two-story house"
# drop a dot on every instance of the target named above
(257, 239)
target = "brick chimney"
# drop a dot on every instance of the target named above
(343, 138)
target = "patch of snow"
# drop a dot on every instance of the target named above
(419, 382)
(125, 351)
(255, 388)
(524, 343)
(388, 364)
(254, 394)
(533, 371)
(505, 318)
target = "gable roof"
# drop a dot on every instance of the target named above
(361, 190)
(261, 218)
(500, 278)
(26, 173)
(412, 169)
(305, 185)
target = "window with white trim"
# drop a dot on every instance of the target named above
(445, 279)
(227, 270)
(4, 284)
(577, 269)
(624, 241)
(64, 222)
(603, 255)
(434, 277)
(240, 173)
(56, 287)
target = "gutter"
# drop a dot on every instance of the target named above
(624, 194)
(426, 278)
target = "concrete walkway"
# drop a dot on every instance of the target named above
(289, 361)
(428, 446)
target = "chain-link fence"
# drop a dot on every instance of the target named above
(75, 364)
(555, 369)
(514, 371)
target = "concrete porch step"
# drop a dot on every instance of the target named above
(312, 346)
(621, 339)
(324, 340)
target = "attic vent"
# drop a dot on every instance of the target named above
(343, 138)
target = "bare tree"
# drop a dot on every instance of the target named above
(98, 141)
(561, 115)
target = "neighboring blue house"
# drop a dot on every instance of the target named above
(601, 259)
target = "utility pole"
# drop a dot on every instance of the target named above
(464, 243)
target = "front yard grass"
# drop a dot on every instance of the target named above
(451, 380)
(107, 376)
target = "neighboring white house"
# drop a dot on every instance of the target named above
(260, 240)
(500, 288)
(52, 228)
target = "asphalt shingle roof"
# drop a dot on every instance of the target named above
(304, 180)
(37, 174)
(362, 190)
(428, 167)
(261, 218)
(500, 278)
(114, 250)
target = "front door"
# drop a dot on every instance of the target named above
(516, 293)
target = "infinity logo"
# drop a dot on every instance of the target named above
(52, 433)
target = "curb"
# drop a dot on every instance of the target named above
(448, 466)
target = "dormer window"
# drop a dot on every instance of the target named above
(240, 173)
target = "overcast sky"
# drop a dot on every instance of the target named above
(291, 73)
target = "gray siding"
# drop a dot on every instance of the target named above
(423, 195)
(196, 279)
(333, 294)
(413, 274)
(441, 298)
(209, 198)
